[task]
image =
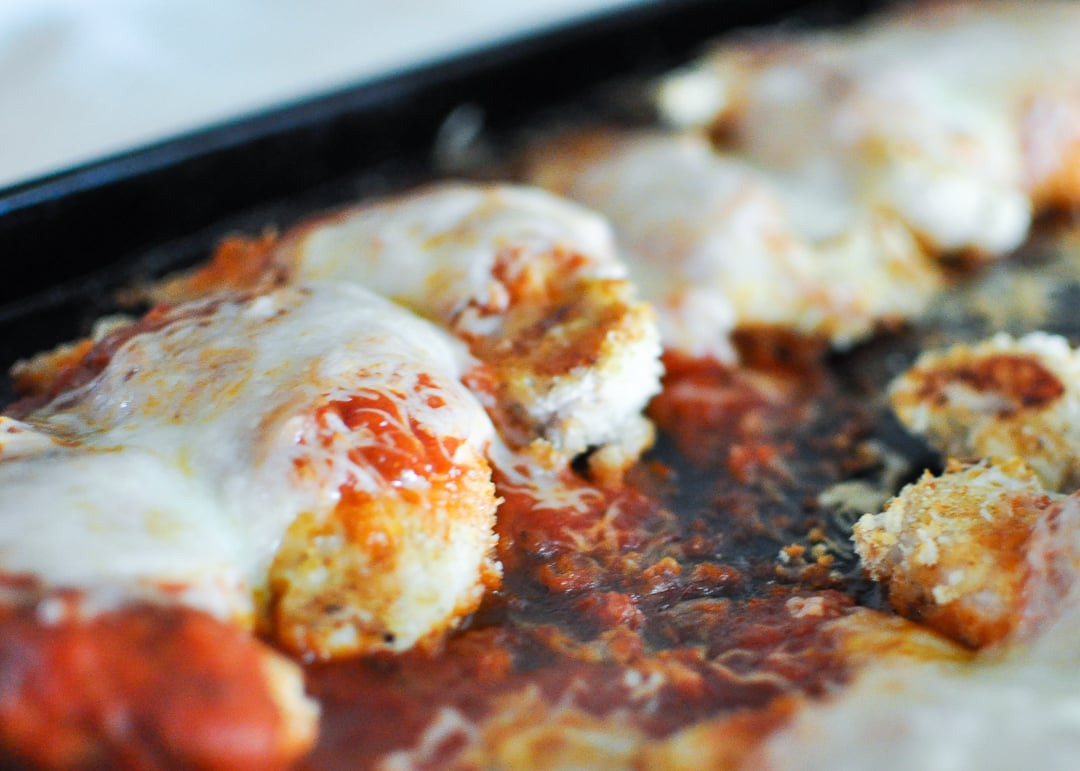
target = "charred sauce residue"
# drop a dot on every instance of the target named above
(658, 606)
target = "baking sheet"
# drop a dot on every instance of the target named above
(73, 239)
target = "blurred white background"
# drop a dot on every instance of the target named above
(80, 79)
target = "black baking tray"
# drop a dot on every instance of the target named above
(69, 239)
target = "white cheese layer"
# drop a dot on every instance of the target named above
(532, 282)
(960, 117)
(716, 242)
(436, 250)
(174, 473)
(938, 718)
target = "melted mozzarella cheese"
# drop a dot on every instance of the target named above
(531, 283)
(715, 242)
(938, 708)
(961, 117)
(176, 472)
(437, 250)
(918, 701)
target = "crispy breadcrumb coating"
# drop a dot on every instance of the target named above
(1003, 396)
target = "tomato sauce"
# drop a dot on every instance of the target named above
(142, 687)
(655, 606)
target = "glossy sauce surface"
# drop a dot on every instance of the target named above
(643, 610)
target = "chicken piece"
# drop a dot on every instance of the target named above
(1002, 397)
(305, 462)
(984, 553)
(961, 117)
(531, 284)
(953, 551)
(716, 243)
